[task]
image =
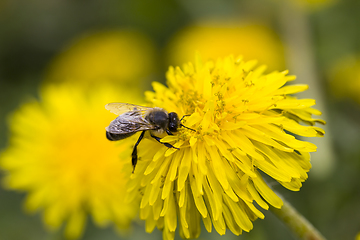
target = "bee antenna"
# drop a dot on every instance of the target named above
(187, 127)
(182, 125)
(184, 116)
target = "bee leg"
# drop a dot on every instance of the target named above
(168, 132)
(166, 144)
(134, 153)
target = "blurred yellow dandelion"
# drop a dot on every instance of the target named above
(314, 4)
(357, 236)
(245, 123)
(344, 78)
(59, 155)
(216, 39)
(117, 56)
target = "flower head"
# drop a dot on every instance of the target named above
(59, 155)
(313, 5)
(217, 40)
(344, 78)
(245, 123)
(123, 56)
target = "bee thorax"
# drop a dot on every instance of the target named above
(159, 119)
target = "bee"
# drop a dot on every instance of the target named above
(133, 118)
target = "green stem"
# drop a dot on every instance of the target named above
(297, 223)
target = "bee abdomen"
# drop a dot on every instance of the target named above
(115, 137)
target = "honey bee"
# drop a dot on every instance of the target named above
(133, 118)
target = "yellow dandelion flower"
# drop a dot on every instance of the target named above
(314, 4)
(357, 237)
(245, 123)
(217, 40)
(113, 56)
(59, 155)
(344, 78)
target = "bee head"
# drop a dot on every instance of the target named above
(173, 122)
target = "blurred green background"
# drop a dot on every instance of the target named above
(319, 41)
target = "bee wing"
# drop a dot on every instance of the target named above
(120, 108)
(129, 122)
